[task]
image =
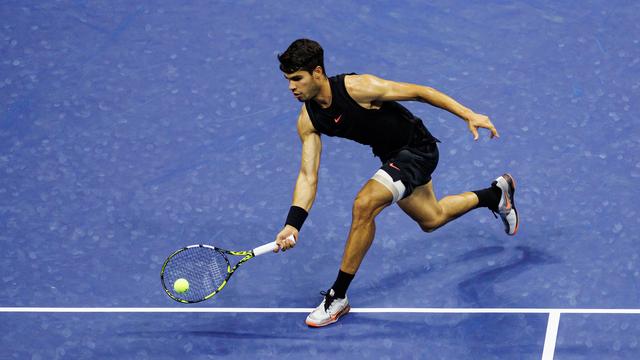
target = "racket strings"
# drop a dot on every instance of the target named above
(204, 268)
(218, 270)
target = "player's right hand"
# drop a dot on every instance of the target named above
(281, 239)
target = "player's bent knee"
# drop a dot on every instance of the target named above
(366, 206)
(428, 229)
(363, 207)
(430, 225)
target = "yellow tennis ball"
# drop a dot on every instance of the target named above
(181, 285)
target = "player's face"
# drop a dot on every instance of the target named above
(303, 85)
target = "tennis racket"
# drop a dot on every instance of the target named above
(206, 268)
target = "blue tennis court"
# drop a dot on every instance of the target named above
(131, 129)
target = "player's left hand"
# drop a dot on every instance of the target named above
(475, 121)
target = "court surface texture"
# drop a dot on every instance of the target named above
(130, 129)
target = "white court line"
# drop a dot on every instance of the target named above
(187, 309)
(549, 342)
(552, 334)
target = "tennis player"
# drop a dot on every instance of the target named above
(365, 108)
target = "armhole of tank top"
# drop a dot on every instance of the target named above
(310, 113)
(343, 87)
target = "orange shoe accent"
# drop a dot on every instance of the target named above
(508, 203)
(334, 318)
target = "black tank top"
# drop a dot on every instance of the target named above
(387, 129)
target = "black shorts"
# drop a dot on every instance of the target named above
(408, 168)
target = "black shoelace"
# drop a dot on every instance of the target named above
(328, 299)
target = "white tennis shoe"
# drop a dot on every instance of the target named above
(329, 311)
(507, 206)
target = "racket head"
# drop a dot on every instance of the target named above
(205, 267)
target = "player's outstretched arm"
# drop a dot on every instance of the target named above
(370, 88)
(306, 187)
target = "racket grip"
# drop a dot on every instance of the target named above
(269, 247)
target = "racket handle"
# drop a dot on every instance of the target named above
(267, 248)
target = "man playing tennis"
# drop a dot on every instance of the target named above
(364, 108)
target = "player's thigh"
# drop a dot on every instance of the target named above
(422, 205)
(372, 198)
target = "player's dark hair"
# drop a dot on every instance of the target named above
(302, 54)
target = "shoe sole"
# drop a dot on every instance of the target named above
(512, 184)
(330, 321)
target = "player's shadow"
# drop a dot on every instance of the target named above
(477, 329)
(474, 288)
(233, 334)
(226, 345)
(365, 332)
